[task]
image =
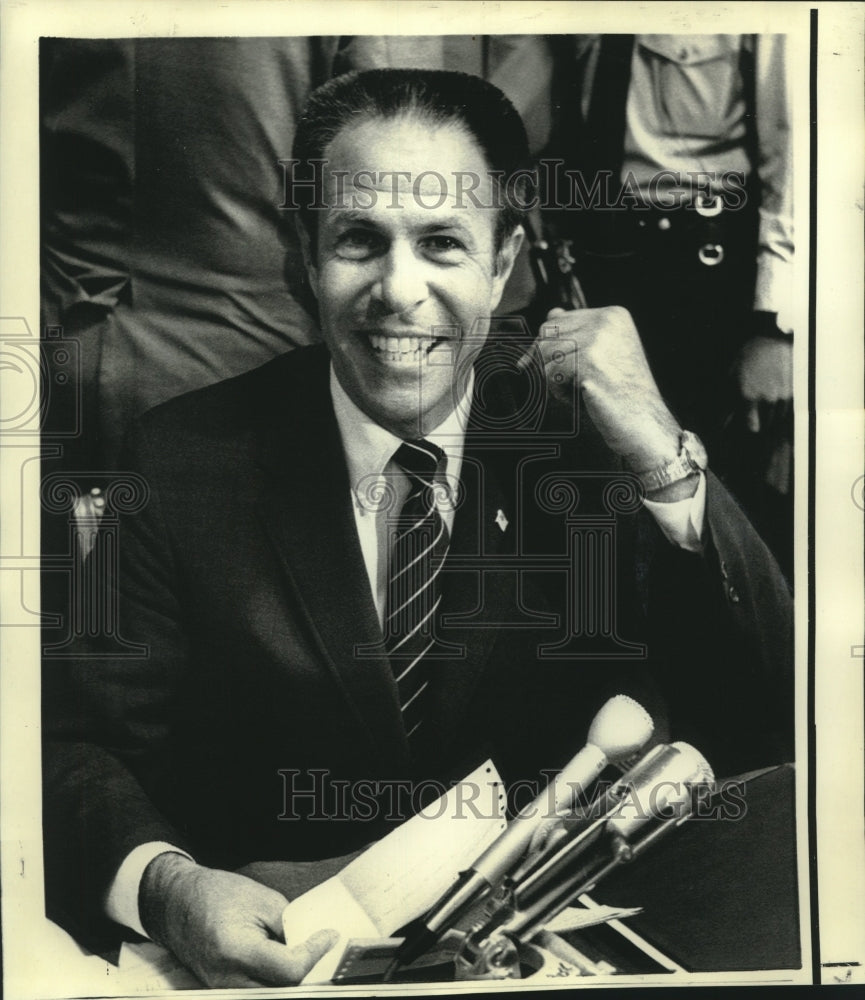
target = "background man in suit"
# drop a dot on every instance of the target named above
(279, 615)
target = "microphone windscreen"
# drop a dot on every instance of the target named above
(698, 765)
(621, 726)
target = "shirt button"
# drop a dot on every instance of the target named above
(664, 223)
(683, 54)
(733, 594)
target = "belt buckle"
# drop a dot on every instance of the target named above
(711, 254)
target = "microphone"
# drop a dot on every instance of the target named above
(653, 798)
(621, 728)
(657, 788)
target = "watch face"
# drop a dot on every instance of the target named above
(695, 449)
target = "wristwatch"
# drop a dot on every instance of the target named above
(692, 458)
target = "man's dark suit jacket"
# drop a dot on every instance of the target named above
(244, 578)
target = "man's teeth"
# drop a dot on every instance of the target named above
(400, 348)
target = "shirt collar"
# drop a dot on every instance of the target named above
(369, 447)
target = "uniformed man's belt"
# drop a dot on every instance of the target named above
(629, 230)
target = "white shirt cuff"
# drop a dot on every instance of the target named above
(121, 901)
(774, 289)
(682, 520)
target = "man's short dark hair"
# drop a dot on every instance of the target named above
(439, 97)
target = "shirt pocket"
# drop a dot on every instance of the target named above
(697, 83)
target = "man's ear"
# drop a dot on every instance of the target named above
(505, 260)
(308, 255)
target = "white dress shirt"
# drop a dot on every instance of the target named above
(369, 451)
(379, 486)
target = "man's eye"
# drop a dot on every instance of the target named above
(358, 244)
(443, 245)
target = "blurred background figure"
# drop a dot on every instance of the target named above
(165, 252)
(683, 214)
(164, 248)
(160, 192)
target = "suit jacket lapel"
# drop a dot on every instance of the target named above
(307, 513)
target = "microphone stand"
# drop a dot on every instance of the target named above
(619, 729)
(519, 911)
(635, 816)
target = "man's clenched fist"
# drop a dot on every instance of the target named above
(617, 387)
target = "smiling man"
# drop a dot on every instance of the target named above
(354, 566)
(398, 290)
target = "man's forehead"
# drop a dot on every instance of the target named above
(406, 162)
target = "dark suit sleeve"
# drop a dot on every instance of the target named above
(721, 631)
(107, 724)
(758, 609)
(717, 625)
(131, 722)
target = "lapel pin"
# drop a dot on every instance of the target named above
(501, 520)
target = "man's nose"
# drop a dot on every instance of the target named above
(402, 282)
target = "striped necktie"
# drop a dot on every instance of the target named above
(420, 543)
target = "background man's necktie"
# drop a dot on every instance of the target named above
(419, 547)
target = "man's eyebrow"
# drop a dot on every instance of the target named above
(447, 224)
(354, 216)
